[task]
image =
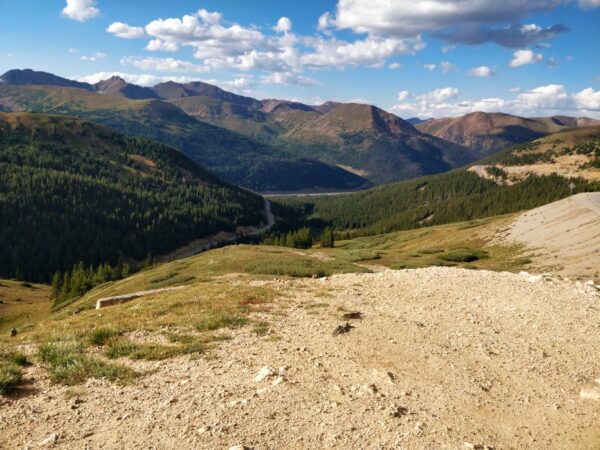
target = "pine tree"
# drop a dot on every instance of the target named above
(57, 281)
(126, 271)
(327, 239)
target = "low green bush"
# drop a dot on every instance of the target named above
(463, 255)
(102, 335)
(11, 376)
(67, 364)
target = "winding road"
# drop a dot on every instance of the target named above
(594, 197)
(201, 245)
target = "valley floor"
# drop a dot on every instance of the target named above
(443, 358)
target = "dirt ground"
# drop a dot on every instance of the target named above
(442, 358)
(563, 237)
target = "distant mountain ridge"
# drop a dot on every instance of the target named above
(360, 139)
(232, 156)
(488, 133)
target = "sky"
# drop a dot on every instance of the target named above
(424, 58)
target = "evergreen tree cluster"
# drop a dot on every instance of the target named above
(74, 283)
(74, 191)
(301, 238)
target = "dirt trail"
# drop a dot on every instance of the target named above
(564, 236)
(443, 358)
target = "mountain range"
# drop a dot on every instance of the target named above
(278, 145)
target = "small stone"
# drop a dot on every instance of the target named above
(240, 447)
(354, 315)
(398, 411)
(590, 393)
(48, 440)
(13, 332)
(263, 374)
(469, 446)
(370, 388)
(341, 329)
(278, 380)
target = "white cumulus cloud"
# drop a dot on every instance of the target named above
(523, 57)
(403, 95)
(125, 31)
(481, 71)
(284, 25)
(81, 10)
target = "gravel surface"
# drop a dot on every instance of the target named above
(442, 358)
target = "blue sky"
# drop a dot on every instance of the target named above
(412, 57)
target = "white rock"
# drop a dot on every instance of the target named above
(263, 374)
(51, 439)
(278, 380)
(590, 393)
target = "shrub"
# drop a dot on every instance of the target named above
(102, 335)
(11, 376)
(214, 321)
(67, 364)
(463, 255)
(431, 251)
(18, 358)
(117, 348)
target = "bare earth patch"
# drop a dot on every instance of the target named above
(442, 358)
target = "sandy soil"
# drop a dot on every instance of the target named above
(443, 358)
(563, 237)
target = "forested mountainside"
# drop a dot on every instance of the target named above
(71, 191)
(232, 156)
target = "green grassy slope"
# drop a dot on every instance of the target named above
(74, 191)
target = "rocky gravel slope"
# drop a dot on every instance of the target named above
(442, 358)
